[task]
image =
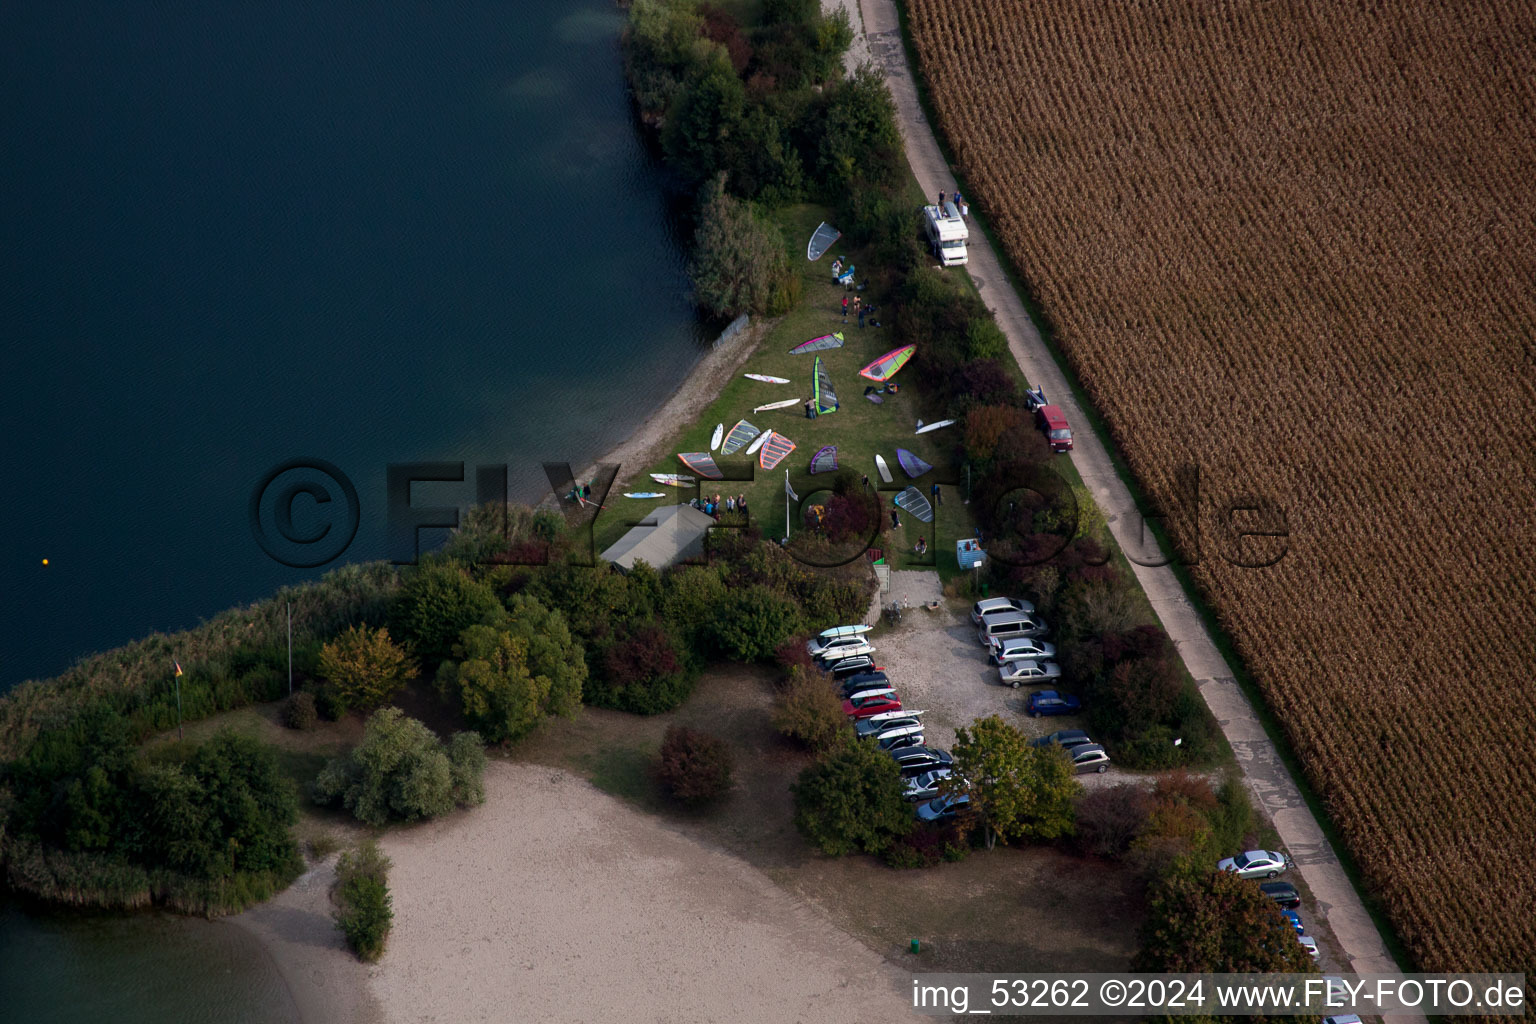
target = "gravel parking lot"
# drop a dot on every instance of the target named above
(936, 664)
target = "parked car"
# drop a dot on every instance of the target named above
(1255, 864)
(1088, 757)
(1062, 738)
(1027, 671)
(943, 808)
(842, 668)
(871, 702)
(926, 785)
(1049, 702)
(885, 720)
(1020, 648)
(838, 647)
(999, 626)
(900, 736)
(1283, 893)
(1310, 945)
(1343, 1018)
(1295, 919)
(914, 761)
(999, 604)
(850, 685)
(1058, 434)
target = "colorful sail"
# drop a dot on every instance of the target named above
(913, 466)
(824, 396)
(774, 451)
(825, 459)
(884, 368)
(820, 344)
(703, 464)
(912, 500)
(821, 240)
(741, 434)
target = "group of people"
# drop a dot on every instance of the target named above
(960, 203)
(712, 507)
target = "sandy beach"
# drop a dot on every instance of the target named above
(557, 902)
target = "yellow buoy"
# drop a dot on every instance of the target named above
(45, 561)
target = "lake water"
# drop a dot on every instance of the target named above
(236, 235)
(240, 234)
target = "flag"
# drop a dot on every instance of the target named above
(788, 489)
(178, 666)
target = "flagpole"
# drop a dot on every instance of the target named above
(179, 734)
(290, 648)
(786, 503)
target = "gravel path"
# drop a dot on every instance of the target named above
(1266, 776)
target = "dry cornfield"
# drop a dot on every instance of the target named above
(1293, 242)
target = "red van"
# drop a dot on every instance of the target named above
(1054, 423)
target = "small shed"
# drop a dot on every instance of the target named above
(671, 534)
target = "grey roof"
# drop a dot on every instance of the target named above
(668, 536)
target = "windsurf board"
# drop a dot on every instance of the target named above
(675, 479)
(644, 494)
(936, 426)
(884, 470)
(715, 438)
(766, 378)
(755, 445)
(779, 405)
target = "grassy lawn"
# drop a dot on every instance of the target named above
(859, 428)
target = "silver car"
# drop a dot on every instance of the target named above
(1255, 864)
(999, 604)
(1019, 648)
(1027, 672)
(1088, 757)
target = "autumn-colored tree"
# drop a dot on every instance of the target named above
(1017, 791)
(364, 667)
(986, 424)
(809, 711)
(1214, 922)
(693, 766)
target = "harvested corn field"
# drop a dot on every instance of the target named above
(1294, 244)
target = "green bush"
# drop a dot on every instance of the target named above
(985, 340)
(436, 604)
(646, 672)
(753, 622)
(363, 668)
(851, 802)
(808, 710)
(364, 908)
(299, 711)
(402, 772)
(738, 258)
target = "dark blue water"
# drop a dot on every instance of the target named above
(234, 234)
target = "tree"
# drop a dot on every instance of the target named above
(852, 802)
(436, 604)
(985, 426)
(693, 766)
(506, 679)
(808, 710)
(861, 118)
(985, 340)
(1108, 820)
(753, 622)
(402, 772)
(646, 672)
(705, 117)
(1017, 791)
(660, 44)
(1215, 922)
(364, 667)
(738, 260)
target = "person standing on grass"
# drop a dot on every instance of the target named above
(938, 496)
(861, 318)
(741, 503)
(866, 481)
(845, 308)
(895, 522)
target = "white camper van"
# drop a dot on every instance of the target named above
(946, 233)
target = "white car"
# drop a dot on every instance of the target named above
(828, 648)
(1020, 648)
(1027, 672)
(926, 785)
(1310, 945)
(999, 604)
(1255, 864)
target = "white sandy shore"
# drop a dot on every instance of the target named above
(556, 902)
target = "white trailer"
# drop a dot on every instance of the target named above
(947, 233)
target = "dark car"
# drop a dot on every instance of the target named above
(1283, 893)
(1062, 738)
(1049, 702)
(943, 808)
(850, 685)
(914, 761)
(845, 667)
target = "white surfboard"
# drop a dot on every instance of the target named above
(675, 479)
(644, 494)
(778, 405)
(837, 631)
(716, 437)
(755, 445)
(936, 426)
(766, 378)
(885, 471)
